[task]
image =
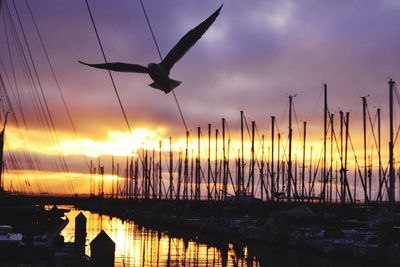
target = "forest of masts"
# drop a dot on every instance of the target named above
(271, 174)
(228, 171)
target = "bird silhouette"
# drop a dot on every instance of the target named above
(159, 72)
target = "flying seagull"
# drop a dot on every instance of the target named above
(159, 73)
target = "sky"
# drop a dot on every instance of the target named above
(253, 56)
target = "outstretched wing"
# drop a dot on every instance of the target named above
(118, 66)
(188, 41)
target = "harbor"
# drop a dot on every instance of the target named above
(145, 133)
(208, 234)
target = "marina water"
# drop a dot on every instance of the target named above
(140, 246)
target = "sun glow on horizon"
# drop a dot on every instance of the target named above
(117, 143)
(122, 144)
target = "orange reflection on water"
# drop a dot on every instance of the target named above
(140, 246)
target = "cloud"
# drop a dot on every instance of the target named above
(253, 56)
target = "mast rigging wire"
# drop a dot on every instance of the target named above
(54, 75)
(28, 157)
(161, 58)
(109, 72)
(50, 119)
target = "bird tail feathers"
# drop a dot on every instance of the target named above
(172, 85)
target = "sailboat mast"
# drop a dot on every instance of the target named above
(323, 196)
(331, 160)
(304, 161)
(289, 169)
(197, 190)
(278, 167)
(160, 171)
(262, 169)
(171, 163)
(209, 164)
(253, 123)
(186, 169)
(241, 174)
(216, 196)
(224, 160)
(364, 102)
(272, 157)
(392, 198)
(379, 156)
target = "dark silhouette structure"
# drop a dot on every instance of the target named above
(102, 250)
(80, 238)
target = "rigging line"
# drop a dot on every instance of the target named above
(15, 81)
(297, 121)
(372, 127)
(231, 148)
(27, 156)
(61, 158)
(20, 47)
(19, 101)
(10, 107)
(397, 94)
(12, 68)
(39, 109)
(24, 62)
(109, 72)
(54, 75)
(161, 58)
(17, 96)
(300, 133)
(26, 127)
(283, 145)
(2, 9)
(314, 111)
(398, 101)
(358, 169)
(209, 156)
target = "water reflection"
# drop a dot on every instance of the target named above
(140, 246)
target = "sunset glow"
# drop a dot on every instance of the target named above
(251, 59)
